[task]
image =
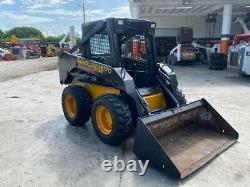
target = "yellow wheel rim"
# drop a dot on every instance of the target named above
(70, 105)
(104, 120)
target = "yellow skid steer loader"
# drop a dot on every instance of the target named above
(115, 80)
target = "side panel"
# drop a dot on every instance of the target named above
(96, 90)
(78, 69)
(246, 61)
(66, 63)
(155, 101)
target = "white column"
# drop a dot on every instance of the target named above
(135, 11)
(227, 19)
(226, 28)
(72, 36)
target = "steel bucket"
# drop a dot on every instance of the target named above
(181, 140)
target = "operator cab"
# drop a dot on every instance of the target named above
(126, 43)
(136, 59)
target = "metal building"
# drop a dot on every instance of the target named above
(173, 14)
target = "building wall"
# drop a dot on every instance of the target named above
(168, 25)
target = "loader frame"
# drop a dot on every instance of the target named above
(136, 92)
(76, 68)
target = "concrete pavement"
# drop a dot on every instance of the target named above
(39, 148)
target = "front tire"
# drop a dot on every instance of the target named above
(76, 104)
(111, 119)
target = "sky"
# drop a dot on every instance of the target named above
(53, 17)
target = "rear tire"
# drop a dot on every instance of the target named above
(115, 122)
(76, 104)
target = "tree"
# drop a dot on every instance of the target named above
(57, 39)
(25, 32)
(2, 35)
(52, 39)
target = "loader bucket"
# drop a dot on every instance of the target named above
(181, 140)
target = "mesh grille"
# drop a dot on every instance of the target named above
(99, 44)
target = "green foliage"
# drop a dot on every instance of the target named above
(56, 39)
(30, 33)
(52, 39)
(78, 40)
(25, 32)
(2, 35)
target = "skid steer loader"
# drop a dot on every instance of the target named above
(115, 80)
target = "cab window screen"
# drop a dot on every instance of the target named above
(99, 45)
(136, 48)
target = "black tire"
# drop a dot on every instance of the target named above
(83, 105)
(120, 115)
(180, 97)
(218, 61)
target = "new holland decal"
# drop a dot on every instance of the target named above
(98, 68)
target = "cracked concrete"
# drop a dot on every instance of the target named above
(39, 148)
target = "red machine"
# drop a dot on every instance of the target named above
(241, 37)
(33, 51)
